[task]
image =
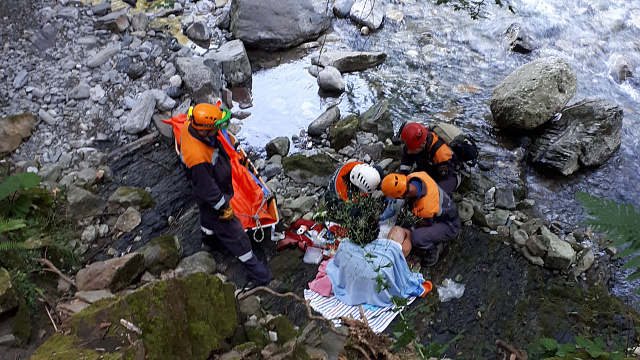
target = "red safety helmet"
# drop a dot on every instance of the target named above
(414, 135)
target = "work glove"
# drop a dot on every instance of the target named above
(390, 211)
(227, 214)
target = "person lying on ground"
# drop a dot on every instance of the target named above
(376, 273)
(437, 212)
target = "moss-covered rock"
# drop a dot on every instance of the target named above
(8, 298)
(342, 131)
(161, 253)
(315, 169)
(179, 319)
(125, 197)
(22, 323)
(283, 327)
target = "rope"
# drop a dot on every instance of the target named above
(256, 218)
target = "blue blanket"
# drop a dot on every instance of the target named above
(372, 274)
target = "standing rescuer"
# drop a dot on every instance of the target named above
(210, 172)
(430, 154)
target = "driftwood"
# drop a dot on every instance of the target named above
(53, 268)
(367, 343)
(117, 154)
(515, 354)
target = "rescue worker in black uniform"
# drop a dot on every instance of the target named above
(210, 172)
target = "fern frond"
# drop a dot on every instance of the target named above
(620, 221)
(631, 264)
(10, 225)
(634, 276)
(12, 245)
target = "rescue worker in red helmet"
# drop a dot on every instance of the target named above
(210, 172)
(439, 221)
(430, 154)
(351, 179)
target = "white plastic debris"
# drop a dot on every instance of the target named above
(450, 290)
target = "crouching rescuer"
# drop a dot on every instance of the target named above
(210, 172)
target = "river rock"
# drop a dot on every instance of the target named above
(8, 294)
(330, 80)
(533, 93)
(233, 59)
(586, 135)
(46, 37)
(324, 121)
(301, 205)
(161, 253)
(176, 9)
(80, 91)
(136, 70)
(117, 21)
(199, 32)
(465, 210)
(620, 68)
(504, 199)
(140, 21)
(518, 39)
(377, 120)
(277, 24)
(103, 56)
(342, 131)
(202, 82)
(368, 13)
(279, 145)
(128, 220)
(560, 254)
(113, 274)
(342, 8)
(585, 259)
(315, 169)
(125, 197)
(140, 116)
(15, 128)
(349, 61)
(535, 260)
(201, 261)
(82, 203)
(93, 296)
(101, 8)
(21, 79)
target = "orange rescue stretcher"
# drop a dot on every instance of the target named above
(253, 202)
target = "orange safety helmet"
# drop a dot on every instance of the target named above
(394, 185)
(414, 135)
(209, 117)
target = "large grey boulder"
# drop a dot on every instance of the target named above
(113, 274)
(349, 61)
(322, 123)
(560, 254)
(377, 120)
(201, 261)
(199, 32)
(202, 81)
(587, 134)
(277, 24)
(533, 93)
(368, 13)
(232, 58)
(125, 197)
(278, 146)
(342, 8)
(15, 128)
(314, 169)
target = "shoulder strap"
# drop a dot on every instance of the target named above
(435, 147)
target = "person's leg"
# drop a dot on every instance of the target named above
(432, 239)
(232, 235)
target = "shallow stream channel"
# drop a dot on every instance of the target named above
(443, 65)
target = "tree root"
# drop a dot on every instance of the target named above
(53, 268)
(519, 354)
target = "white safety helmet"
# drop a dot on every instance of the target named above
(365, 177)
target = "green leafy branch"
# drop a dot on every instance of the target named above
(595, 349)
(620, 222)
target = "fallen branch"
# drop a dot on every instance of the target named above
(520, 355)
(51, 318)
(117, 154)
(53, 268)
(332, 327)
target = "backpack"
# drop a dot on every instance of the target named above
(462, 144)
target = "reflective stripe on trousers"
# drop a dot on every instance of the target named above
(243, 258)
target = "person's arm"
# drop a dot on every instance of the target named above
(205, 189)
(406, 162)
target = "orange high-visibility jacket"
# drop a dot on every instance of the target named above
(430, 204)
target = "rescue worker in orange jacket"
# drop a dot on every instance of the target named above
(430, 154)
(210, 172)
(439, 221)
(351, 179)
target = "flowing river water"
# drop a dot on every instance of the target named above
(443, 65)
